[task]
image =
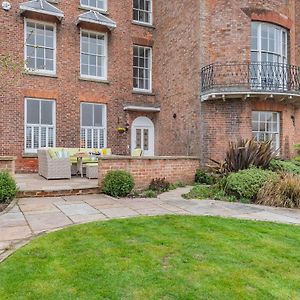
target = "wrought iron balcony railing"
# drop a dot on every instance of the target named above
(259, 77)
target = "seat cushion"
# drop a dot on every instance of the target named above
(92, 164)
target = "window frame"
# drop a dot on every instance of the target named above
(40, 71)
(33, 150)
(150, 69)
(103, 10)
(150, 14)
(277, 142)
(283, 55)
(95, 127)
(84, 76)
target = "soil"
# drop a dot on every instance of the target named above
(3, 206)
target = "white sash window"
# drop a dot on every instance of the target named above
(39, 124)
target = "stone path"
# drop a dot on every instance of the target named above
(34, 216)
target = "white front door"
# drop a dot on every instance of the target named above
(142, 136)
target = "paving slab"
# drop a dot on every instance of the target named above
(47, 221)
(100, 201)
(154, 211)
(139, 204)
(15, 209)
(268, 216)
(118, 212)
(77, 209)
(88, 218)
(38, 208)
(12, 220)
(46, 200)
(5, 245)
(15, 233)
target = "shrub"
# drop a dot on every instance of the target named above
(201, 192)
(159, 185)
(149, 194)
(283, 191)
(118, 183)
(8, 187)
(244, 154)
(245, 184)
(174, 186)
(284, 166)
(202, 177)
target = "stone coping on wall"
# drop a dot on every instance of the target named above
(8, 158)
(120, 157)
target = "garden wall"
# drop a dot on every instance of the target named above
(7, 163)
(144, 169)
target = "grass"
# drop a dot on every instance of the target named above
(173, 257)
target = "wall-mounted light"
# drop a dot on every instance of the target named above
(293, 120)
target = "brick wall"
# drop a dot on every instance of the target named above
(229, 120)
(225, 35)
(186, 36)
(7, 163)
(174, 169)
(66, 88)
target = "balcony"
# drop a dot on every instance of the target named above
(246, 80)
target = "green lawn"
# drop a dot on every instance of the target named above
(173, 257)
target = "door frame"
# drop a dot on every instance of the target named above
(143, 122)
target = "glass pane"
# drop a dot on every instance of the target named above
(36, 137)
(84, 69)
(43, 137)
(146, 139)
(28, 137)
(47, 112)
(138, 139)
(89, 139)
(49, 42)
(87, 114)
(255, 115)
(255, 126)
(98, 113)
(50, 137)
(33, 111)
(30, 63)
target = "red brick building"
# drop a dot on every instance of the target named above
(184, 77)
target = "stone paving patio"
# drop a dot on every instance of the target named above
(34, 216)
(32, 185)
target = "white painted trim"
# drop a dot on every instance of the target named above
(150, 69)
(49, 13)
(105, 53)
(250, 93)
(142, 108)
(95, 8)
(39, 71)
(31, 150)
(150, 12)
(143, 123)
(104, 119)
(254, 132)
(109, 25)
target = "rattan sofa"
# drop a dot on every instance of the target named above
(53, 168)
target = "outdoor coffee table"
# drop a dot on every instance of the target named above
(80, 156)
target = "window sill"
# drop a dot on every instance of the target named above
(40, 74)
(104, 12)
(145, 93)
(29, 155)
(105, 81)
(143, 24)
